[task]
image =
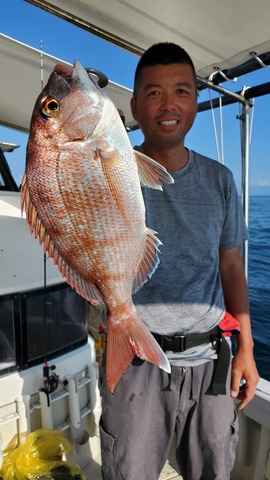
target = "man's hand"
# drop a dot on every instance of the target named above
(245, 378)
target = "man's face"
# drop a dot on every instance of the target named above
(165, 104)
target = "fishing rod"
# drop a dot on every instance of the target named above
(51, 379)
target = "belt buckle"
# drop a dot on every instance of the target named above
(182, 343)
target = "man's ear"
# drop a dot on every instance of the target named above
(133, 107)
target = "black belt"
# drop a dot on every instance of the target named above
(180, 343)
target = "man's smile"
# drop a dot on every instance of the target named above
(168, 123)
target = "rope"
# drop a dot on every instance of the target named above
(251, 120)
(219, 156)
(221, 129)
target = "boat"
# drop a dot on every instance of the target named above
(55, 386)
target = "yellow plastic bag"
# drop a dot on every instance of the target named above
(40, 457)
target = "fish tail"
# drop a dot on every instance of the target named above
(126, 343)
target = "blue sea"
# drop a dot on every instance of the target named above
(259, 280)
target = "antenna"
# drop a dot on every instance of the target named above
(41, 64)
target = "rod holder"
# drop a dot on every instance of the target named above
(260, 62)
(218, 71)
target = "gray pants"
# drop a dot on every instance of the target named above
(149, 406)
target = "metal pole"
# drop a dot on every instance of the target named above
(245, 175)
(236, 96)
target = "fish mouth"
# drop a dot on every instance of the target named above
(74, 76)
(64, 69)
(68, 70)
(77, 73)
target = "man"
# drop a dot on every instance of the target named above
(184, 304)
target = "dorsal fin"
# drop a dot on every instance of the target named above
(82, 287)
(151, 172)
(149, 262)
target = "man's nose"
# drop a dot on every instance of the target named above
(168, 101)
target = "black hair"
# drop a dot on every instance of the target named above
(164, 53)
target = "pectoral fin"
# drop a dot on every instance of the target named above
(149, 262)
(151, 172)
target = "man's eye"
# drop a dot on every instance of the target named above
(153, 93)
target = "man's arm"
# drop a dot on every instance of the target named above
(236, 301)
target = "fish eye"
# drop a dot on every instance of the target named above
(50, 107)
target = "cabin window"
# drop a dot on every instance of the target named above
(41, 323)
(7, 181)
(2, 183)
(7, 335)
(55, 320)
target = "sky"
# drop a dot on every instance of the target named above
(31, 25)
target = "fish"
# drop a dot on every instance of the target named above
(81, 193)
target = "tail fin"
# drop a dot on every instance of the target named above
(124, 344)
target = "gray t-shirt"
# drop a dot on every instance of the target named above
(194, 218)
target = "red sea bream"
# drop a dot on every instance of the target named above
(82, 196)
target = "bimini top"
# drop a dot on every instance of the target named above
(228, 37)
(217, 34)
